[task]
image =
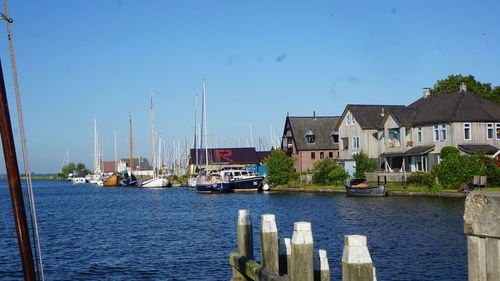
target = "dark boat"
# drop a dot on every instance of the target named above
(360, 187)
(128, 181)
(212, 183)
(242, 180)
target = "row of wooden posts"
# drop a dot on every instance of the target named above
(294, 259)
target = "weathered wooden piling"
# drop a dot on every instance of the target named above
(285, 253)
(321, 267)
(482, 227)
(269, 249)
(302, 257)
(357, 264)
(245, 240)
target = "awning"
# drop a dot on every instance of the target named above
(478, 148)
(414, 151)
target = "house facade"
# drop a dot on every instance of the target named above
(358, 129)
(412, 137)
(310, 139)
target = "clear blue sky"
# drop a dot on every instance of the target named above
(80, 60)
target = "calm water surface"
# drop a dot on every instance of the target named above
(98, 233)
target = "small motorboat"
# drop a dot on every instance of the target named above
(360, 187)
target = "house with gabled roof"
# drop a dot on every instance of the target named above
(412, 137)
(309, 139)
(358, 128)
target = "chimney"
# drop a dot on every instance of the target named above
(463, 87)
(383, 113)
(427, 92)
(314, 114)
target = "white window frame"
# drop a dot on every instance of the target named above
(348, 119)
(467, 131)
(353, 120)
(420, 134)
(489, 128)
(497, 131)
(356, 143)
(440, 132)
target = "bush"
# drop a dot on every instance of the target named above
(449, 151)
(321, 170)
(279, 167)
(363, 165)
(337, 174)
(421, 179)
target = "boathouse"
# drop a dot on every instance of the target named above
(218, 158)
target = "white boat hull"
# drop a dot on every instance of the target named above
(78, 180)
(155, 182)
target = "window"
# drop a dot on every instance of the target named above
(355, 143)
(335, 137)
(321, 155)
(498, 131)
(467, 131)
(330, 154)
(440, 132)
(353, 121)
(310, 137)
(394, 137)
(313, 155)
(489, 131)
(348, 119)
(420, 134)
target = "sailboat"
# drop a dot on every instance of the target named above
(208, 181)
(192, 179)
(96, 177)
(128, 177)
(158, 180)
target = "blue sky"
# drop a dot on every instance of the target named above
(80, 60)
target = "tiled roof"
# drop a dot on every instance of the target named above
(369, 116)
(414, 151)
(454, 107)
(478, 148)
(320, 127)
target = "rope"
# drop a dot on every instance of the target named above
(27, 170)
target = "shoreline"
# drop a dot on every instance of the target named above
(439, 194)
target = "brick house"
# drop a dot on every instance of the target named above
(309, 139)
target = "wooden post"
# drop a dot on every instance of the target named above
(357, 264)
(481, 217)
(269, 249)
(321, 267)
(285, 252)
(245, 240)
(301, 265)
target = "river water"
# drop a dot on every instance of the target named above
(101, 233)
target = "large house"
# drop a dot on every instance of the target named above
(309, 139)
(412, 137)
(358, 129)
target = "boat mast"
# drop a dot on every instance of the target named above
(205, 124)
(196, 132)
(16, 192)
(153, 136)
(96, 148)
(131, 160)
(116, 164)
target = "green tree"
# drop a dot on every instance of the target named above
(70, 167)
(449, 151)
(452, 83)
(338, 174)
(279, 167)
(363, 165)
(321, 170)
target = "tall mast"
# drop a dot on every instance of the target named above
(153, 136)
(96, 161)
(131, 160)
(196, 132)
(205, 117)
(116, 164)
(16, 192)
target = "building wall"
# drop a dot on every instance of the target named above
(304, 161)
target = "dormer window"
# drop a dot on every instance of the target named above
(310, 137)
(335, 137)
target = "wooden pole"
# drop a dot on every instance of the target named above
(245, 240)
(269, 249)
(357, 264)
(321, 267)
(301, 265)
(285, 252)
(131, 160)
(16, 192)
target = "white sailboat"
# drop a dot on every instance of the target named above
(96, 177)
(159, 179)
